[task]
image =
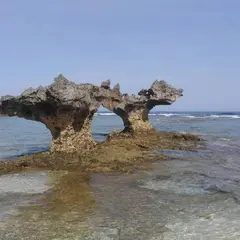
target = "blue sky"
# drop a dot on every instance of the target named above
(192, 44)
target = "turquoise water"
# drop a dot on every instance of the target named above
(19, 136)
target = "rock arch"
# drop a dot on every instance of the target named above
(134, 109)
(67, 109)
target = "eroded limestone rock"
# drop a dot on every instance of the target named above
(134, 109)
(106, 84)
(65, 108)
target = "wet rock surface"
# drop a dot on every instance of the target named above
(24, 183)
(177, 205)
(105, 233)
(122, 152)
(20, 189)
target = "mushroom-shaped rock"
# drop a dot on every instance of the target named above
(134, 109)
(65, 108)
(163, 94)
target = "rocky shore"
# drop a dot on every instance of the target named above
(67, 110)
(62, 190)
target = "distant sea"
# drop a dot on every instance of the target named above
(19, 136)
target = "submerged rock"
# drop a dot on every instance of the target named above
(67, 109)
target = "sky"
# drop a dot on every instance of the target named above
(192, 44)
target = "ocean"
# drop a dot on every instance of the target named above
(194, 196)
(20, 136)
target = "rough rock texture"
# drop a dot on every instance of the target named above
(65, 108)
(116, 88)
(134, 109)
(106, 84)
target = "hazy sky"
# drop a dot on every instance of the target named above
(192, 44)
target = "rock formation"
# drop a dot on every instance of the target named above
(67, 109)
(134, 109)
(106, 84)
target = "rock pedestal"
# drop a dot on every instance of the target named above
(70, 134)
(67, 109)
(134, 109)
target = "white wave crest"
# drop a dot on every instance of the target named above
(225, 139)
(225, 116)
(168, 114)
(190, 116)
(213, 116)
(105, 114)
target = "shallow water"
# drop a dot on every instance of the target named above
(195, 197)
(20, 136)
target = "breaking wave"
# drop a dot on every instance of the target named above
(190, 115)
(193, 115)
(214, 116)
(225, 116)
(169, 114)
(105, 114)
